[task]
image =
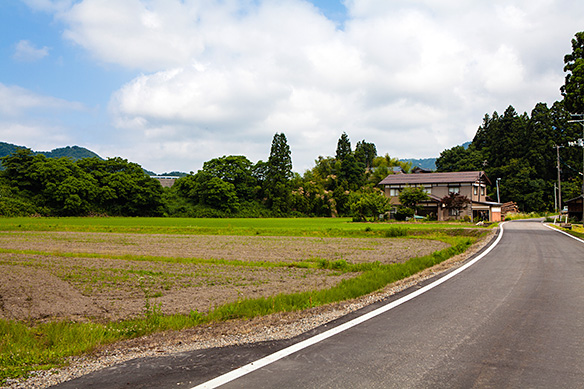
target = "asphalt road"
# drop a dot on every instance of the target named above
(514, 319)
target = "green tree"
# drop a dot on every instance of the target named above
(343, 147)
(501, 138)
(350, 171)
(205, 189)
(17, 171)
(459, 159)
(279, 172)
(573, 88)
(236, 170)
(123, 189)
(383, 166)
(365, 153)
(410, 197)
(310, 196)
(370, 204)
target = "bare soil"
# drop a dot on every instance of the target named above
(96, 276)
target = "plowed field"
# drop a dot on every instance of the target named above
(110, 276)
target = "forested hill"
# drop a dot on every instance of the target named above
(73, 152)
(424, 163)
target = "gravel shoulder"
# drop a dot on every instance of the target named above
(272, 327)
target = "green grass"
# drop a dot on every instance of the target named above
(522, 215)
(25, 347)
(576, 230)
(319, 227)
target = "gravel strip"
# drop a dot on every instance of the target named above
(272, 327)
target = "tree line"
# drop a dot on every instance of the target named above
(36, 185)
(522, 149)
(344, 185)
(228, 186)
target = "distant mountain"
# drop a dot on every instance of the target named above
(74, 152)
(7, 148)
(429, 163)
(174, 174)
(424, 163)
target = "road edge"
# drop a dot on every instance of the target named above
(244, 370)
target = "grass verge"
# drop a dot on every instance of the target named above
(576, 230)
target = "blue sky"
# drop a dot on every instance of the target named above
(171, 84)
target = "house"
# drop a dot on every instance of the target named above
(471, 184)
(575, 207)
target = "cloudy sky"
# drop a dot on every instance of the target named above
(170, 84)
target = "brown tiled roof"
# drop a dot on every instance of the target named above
(434, 178)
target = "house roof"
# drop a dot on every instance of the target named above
(434, 178)
(575, 199)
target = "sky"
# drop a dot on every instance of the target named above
(170, 84)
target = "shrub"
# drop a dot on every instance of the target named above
(11, 207)
(394, 232)
(403, 213)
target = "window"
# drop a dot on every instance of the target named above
(482, 190)
(454, 189)
(475, 190)
(394, 192)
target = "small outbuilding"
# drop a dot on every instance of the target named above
(575, 208)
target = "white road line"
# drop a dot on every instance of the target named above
(565, 233)
(240, 372)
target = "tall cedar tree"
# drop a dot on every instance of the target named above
(280, 160)
(351, 171)
(573, 89)
(279, 172)
(365, 153)
(343, 147)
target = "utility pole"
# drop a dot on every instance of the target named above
(559, 180)
(580, 142)
(555, 197)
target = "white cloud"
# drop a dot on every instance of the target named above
(28, 119)
(38, 136)
(25, 51)
(14, 101)
(222, 77)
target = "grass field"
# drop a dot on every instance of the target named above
(186, 226)
(156, 270)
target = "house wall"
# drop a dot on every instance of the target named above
(575, 208)
(442, 190)
(495, 214)
(166, 182)
(444, 214)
